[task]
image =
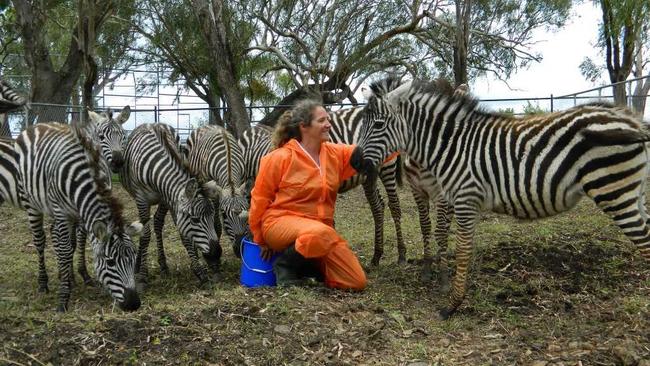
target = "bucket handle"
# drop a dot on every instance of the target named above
(241, 249)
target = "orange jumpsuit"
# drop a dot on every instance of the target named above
(293, 201)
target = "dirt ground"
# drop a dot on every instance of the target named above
(570, 290)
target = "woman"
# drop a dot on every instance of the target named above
(292, 203)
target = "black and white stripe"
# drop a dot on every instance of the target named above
(9, 99)
(214, 155)
(60, 176)
(8, 174)
(529, 167)
(155, 173)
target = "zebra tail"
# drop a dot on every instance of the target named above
(616, 136)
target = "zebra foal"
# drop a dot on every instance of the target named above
(215, 156)
(59, 175)
(530, 167)
(154, 173)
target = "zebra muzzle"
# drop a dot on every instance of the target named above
(131, 300)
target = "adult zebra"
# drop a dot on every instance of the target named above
(529, 167)
(346, 124)
(59, 174)
(214, 155)
(154, 173)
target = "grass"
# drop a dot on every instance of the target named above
(563, 290)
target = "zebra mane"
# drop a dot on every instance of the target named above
(383, 86)
(225, 136)
(94, 162)
(166, 139)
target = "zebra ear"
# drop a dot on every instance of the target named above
(191, 189)
(396, 96)
(124, 115)
(100, 230)
(93, 116)
(367, 92)
(212, 189)
(134, 229)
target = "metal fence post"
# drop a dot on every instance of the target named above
(551, 102)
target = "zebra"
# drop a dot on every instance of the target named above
(154, 172)
(256, 142)
(59, 175)
(9, 101)
(215, 155)
(530, 167)
(107, 132)
(9, 185)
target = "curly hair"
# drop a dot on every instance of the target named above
(288, 125)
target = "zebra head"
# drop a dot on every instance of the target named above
(194, 218)
(111, 135)
(383, 131)
(233, 209)
(114, 259)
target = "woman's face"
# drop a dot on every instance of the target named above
(319, 129)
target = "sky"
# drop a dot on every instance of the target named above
(558, 73)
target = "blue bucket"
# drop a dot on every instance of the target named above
(256, 272)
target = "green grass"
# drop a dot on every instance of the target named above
(535, 287)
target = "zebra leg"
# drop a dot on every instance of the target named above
(35, 219)
(444, 214)
(629, 215)
(197, 267)
(377, 208)
(395, 211)
(141, 263)
(81, 255)
(422, 203)
(467, 215)
(213, 260)
(158, 224)
(62, 235)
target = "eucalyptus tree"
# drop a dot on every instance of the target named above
(59, 40)
(327, 48)
(479, 37)
(623, 38)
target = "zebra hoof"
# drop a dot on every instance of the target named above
(426, 276)
(164, 271)
(446, 313)
(375, 260)
(62, 308)
(43, 289)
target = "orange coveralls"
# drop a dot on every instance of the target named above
(293, 201)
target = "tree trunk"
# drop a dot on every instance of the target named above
(463, 10)
(640, 94)
(209, 13)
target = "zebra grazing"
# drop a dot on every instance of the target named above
(529, 167)
(346, 124)
(59, 174)
(107, 132)
(214, 155)
(154, 173)
(254, 143)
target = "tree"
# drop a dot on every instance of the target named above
(622, 37)
(473, 38)
(41, 25)
(328, 48)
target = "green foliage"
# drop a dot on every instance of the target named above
(533, 109)
(506, 111)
